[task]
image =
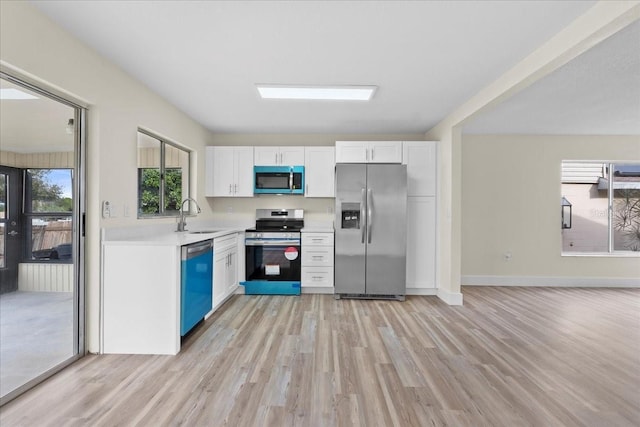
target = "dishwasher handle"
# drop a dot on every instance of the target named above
(196, 249)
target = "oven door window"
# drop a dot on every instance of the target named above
(275, 263)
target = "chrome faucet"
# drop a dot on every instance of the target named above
(182, 223)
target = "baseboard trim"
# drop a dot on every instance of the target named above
(317, 290)
(569, 282)
(410, 291)
(451, 298)
(422, 291)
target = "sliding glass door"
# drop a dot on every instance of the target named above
(41, 244)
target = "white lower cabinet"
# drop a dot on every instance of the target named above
(317, 256)
(421, 245)
(225, 268)
(141, 299)
(317, 262)
(321, 277)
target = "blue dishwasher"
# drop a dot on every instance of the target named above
(196, 283)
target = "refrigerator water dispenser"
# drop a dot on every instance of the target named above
(350, 215)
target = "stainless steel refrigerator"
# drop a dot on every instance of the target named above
(370, 230)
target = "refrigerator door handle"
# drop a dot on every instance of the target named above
(362, 204)
(369, 215)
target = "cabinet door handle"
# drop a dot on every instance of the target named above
(235, 188)
(373, 152)
(230, 189)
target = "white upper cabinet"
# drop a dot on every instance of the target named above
(229, 172)
(368, 152)
(319, 171)
(278, 156)
(421, 159)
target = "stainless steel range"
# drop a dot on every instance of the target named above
(273, 259)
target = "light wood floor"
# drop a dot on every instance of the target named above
(508, 357)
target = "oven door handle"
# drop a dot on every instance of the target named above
(252, 242)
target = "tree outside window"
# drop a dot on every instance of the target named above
(48, 214)
(163, 176)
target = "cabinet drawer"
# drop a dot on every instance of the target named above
(317, 256)
(317, 276)
(224, 242)
(317, 239)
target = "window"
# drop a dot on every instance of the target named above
(604, 199)
(48, 211)
(163, 176)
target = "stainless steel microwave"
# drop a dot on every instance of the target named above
(278, 179)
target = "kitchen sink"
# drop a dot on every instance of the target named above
(206, 231)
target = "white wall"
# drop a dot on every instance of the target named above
(511, 203)
(118, 105)
(602, 20)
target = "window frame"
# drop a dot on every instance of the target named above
(611, 251)
(28, 215)
(3, 219)
(162, 212)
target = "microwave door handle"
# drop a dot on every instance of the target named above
(291, 180)
(362, 208)
(369, 214)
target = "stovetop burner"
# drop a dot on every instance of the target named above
(279, 220)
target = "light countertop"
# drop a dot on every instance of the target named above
(173, 238)
(317, 229)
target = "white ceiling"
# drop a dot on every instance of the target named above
(598, 93)
(426, 57)
(34, 125)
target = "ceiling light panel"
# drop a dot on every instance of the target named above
(11, 93)
(333, 93)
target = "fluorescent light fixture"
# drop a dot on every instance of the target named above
(338, 93)
(11, 93)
